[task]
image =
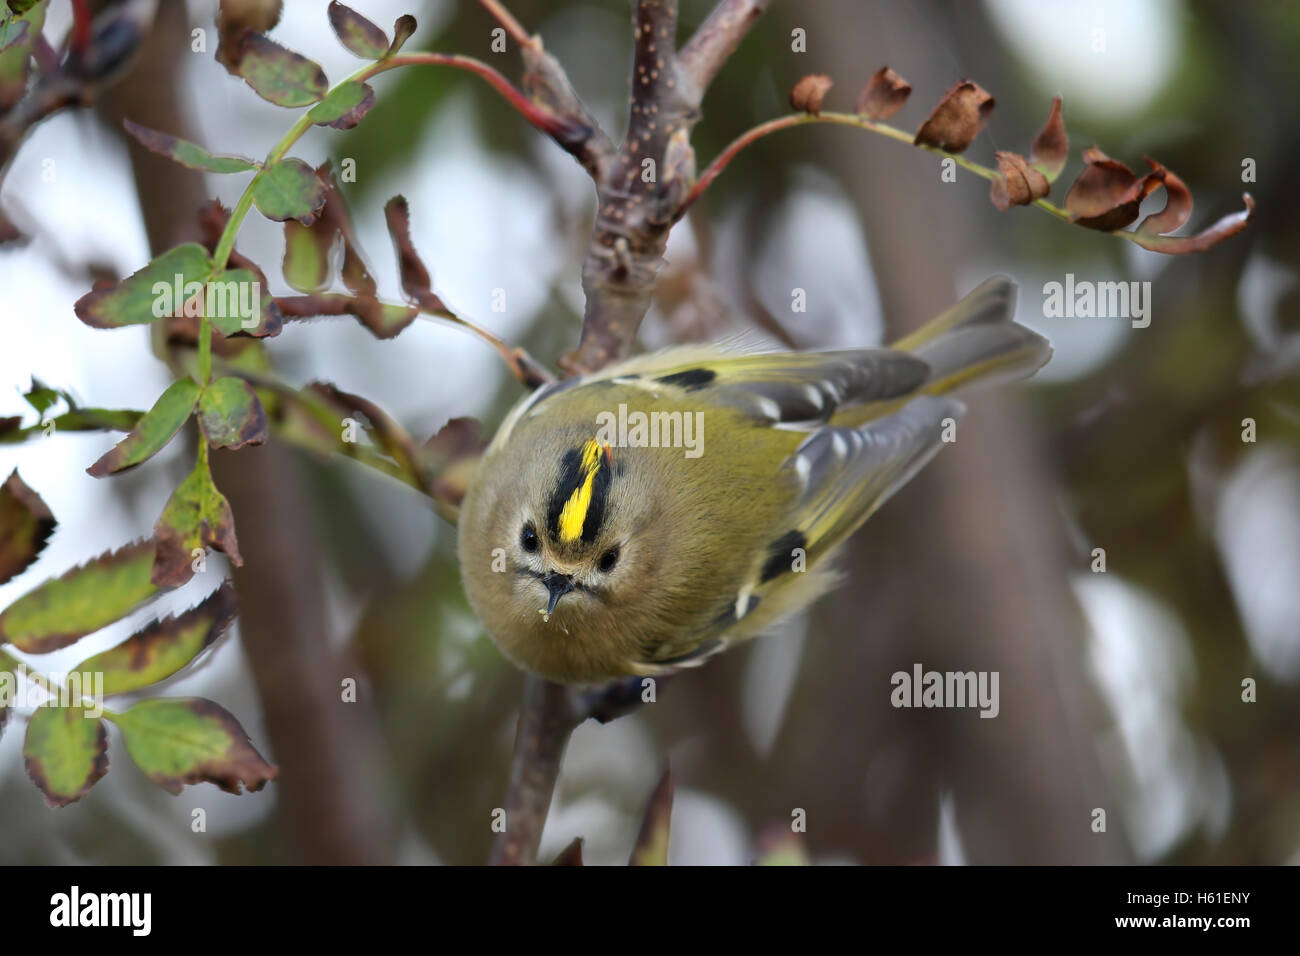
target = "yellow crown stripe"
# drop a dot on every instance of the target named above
(574, 513)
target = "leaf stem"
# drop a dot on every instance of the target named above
(539, 117)
(841, 119)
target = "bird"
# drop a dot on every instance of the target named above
(642, 518)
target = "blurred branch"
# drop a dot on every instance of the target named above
(548, 715)
(328, 797)
(715, 41)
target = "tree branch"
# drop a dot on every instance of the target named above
(548, 716)
(637, 196)
(715, 41)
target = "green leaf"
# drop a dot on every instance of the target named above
(66, 751)
(18, 33)
(65, 609)
(188, 154)
(42, 397)
(306, 263)
(237, 301)
(152, 432)
(652, 842)
(345, 106)
(25, 525)
(76, 420)
(149, 294)
(281, 76)
(402, 30)
(289, 189)
(196, 516)
(163, 647)
(231, 415)
(357, 33)
(191, 740)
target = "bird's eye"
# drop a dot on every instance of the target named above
(608, 560)
(528, 538)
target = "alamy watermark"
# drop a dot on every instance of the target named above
(955, 689)
(216, 298)
(638, 429)
(83, 689)
(1098, 300)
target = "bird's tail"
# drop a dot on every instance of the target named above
(977, 342)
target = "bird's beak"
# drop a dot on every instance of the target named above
(559, 585)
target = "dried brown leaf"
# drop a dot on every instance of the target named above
(1229, 225)
(416, 281)
(1018, 183)
(958, 119)
(25, 525)
(1178, 205)
(807, 94)
(883, 96)
(1107, 195)
(1051, 145)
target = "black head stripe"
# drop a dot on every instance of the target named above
(780, 554)
(689, 379)
(571, 478)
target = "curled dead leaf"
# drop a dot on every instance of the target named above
(960, 116)
(1178, 205)
(1107, 195)
(883, 96)
(808, 93)
(1229, 225)
(1051, 145)
(1018, 184)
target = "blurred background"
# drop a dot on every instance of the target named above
(1119, 690)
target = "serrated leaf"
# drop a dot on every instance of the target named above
(344, 107)
(141, 297)
(237, 301)
(357, 33)
(25, 525)
(65, 609)
(163, 647)
(196, 516)
(277, 74)
(184, 741)
(652, 842)
(231, 415)
(65, 752)
(289, 189)
(152, 432)
(189, 155)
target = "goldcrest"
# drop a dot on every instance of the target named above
(645, 517)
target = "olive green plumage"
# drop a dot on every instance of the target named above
(653, 558)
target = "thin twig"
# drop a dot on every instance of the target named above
(507, 20)
(716, 40)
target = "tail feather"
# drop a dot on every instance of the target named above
(977, 342)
